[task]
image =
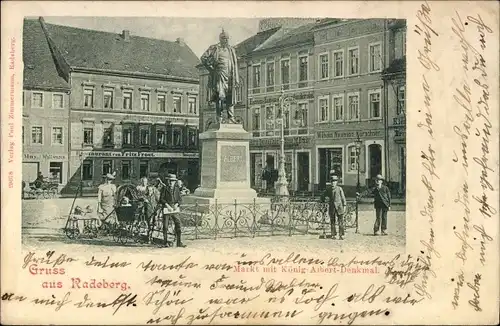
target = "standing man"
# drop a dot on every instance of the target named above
(222, 64)
(382, 196)
(336, 205)
(171, 199)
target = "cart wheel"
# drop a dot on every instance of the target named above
(71, 231)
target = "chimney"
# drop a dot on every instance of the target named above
(180, 41)
(126, 35)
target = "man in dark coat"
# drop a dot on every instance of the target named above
(336, 205)
(170, 198)
(382, 196)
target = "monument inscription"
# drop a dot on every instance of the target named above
(233, 164)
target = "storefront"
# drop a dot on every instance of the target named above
(130, 166)
(336, 150)
(265, 152)
(52, 166)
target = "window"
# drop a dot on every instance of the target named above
(57, 135)
(145, 136)
(108, 99)
(57, 101)
(55, 172)
(301, 118)
(192, 105)
(354, 61)
(37, 100)
(256, 78)
(127, 100)
(352, 159)
(177, 137)
(145, 102)
(270, 74)
(88, 98)
(303, 71)
(338, 57)
(177, 104)
(192, 137)
(401, 100)
(36, 135)
(375, 104)
(285, 74)
(128, 134)
(88, 170)
(353, 107)
(143, 168)
(161, 138)
(126, 170)
(375, 57)
(323, 109)
(107, 167)
(270, 119)
(323, 66)
(107, 138)
(256, 121)
(338, 108)
(88, 136)
(161, 103)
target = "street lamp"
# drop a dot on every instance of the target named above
(358, 143)
(282, 183)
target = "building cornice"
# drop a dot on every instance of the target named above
(119, 73)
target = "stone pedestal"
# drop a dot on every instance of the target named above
(225, 168)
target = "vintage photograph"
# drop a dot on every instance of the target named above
(161, 133)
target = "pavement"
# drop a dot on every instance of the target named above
(42, 221)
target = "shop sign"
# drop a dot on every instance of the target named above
(136, 154)
(276, 141)
(40, 157)
(349, 134)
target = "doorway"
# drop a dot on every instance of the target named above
(375, 161)
(168, 167)
(303, 171)
(330, 159)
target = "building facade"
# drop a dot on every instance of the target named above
(131, 110)
(45, 105)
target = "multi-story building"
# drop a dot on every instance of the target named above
(349, 99)
(133, 105)
(45, 110)
(395, 84)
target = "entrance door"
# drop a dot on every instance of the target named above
(302, 171)
(55, 171)
(329, 159)
(375, 160)
(30, 171)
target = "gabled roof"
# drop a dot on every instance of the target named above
(288, 37)
(254, 41)
(40, 70)
(90, 49)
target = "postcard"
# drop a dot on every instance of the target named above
(258, 163)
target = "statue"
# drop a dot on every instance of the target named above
(222, 65)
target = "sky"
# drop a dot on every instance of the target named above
(198, 33)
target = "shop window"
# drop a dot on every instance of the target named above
(107, 167)
(177, 137)
(88, 136)
(143, 168)
(127, 100)
(126, 170)
(57, 135)
(177, 104)
(352, 160)
(55, 171)
(162, 103)
(88, 98)
(108, 99)
(37, 135)
(88, 170)
(57, 101)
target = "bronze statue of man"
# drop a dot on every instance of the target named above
(222, 65)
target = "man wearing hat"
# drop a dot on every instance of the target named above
(336, 205)
(382, 196)
(170, 198)
(106, 196)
